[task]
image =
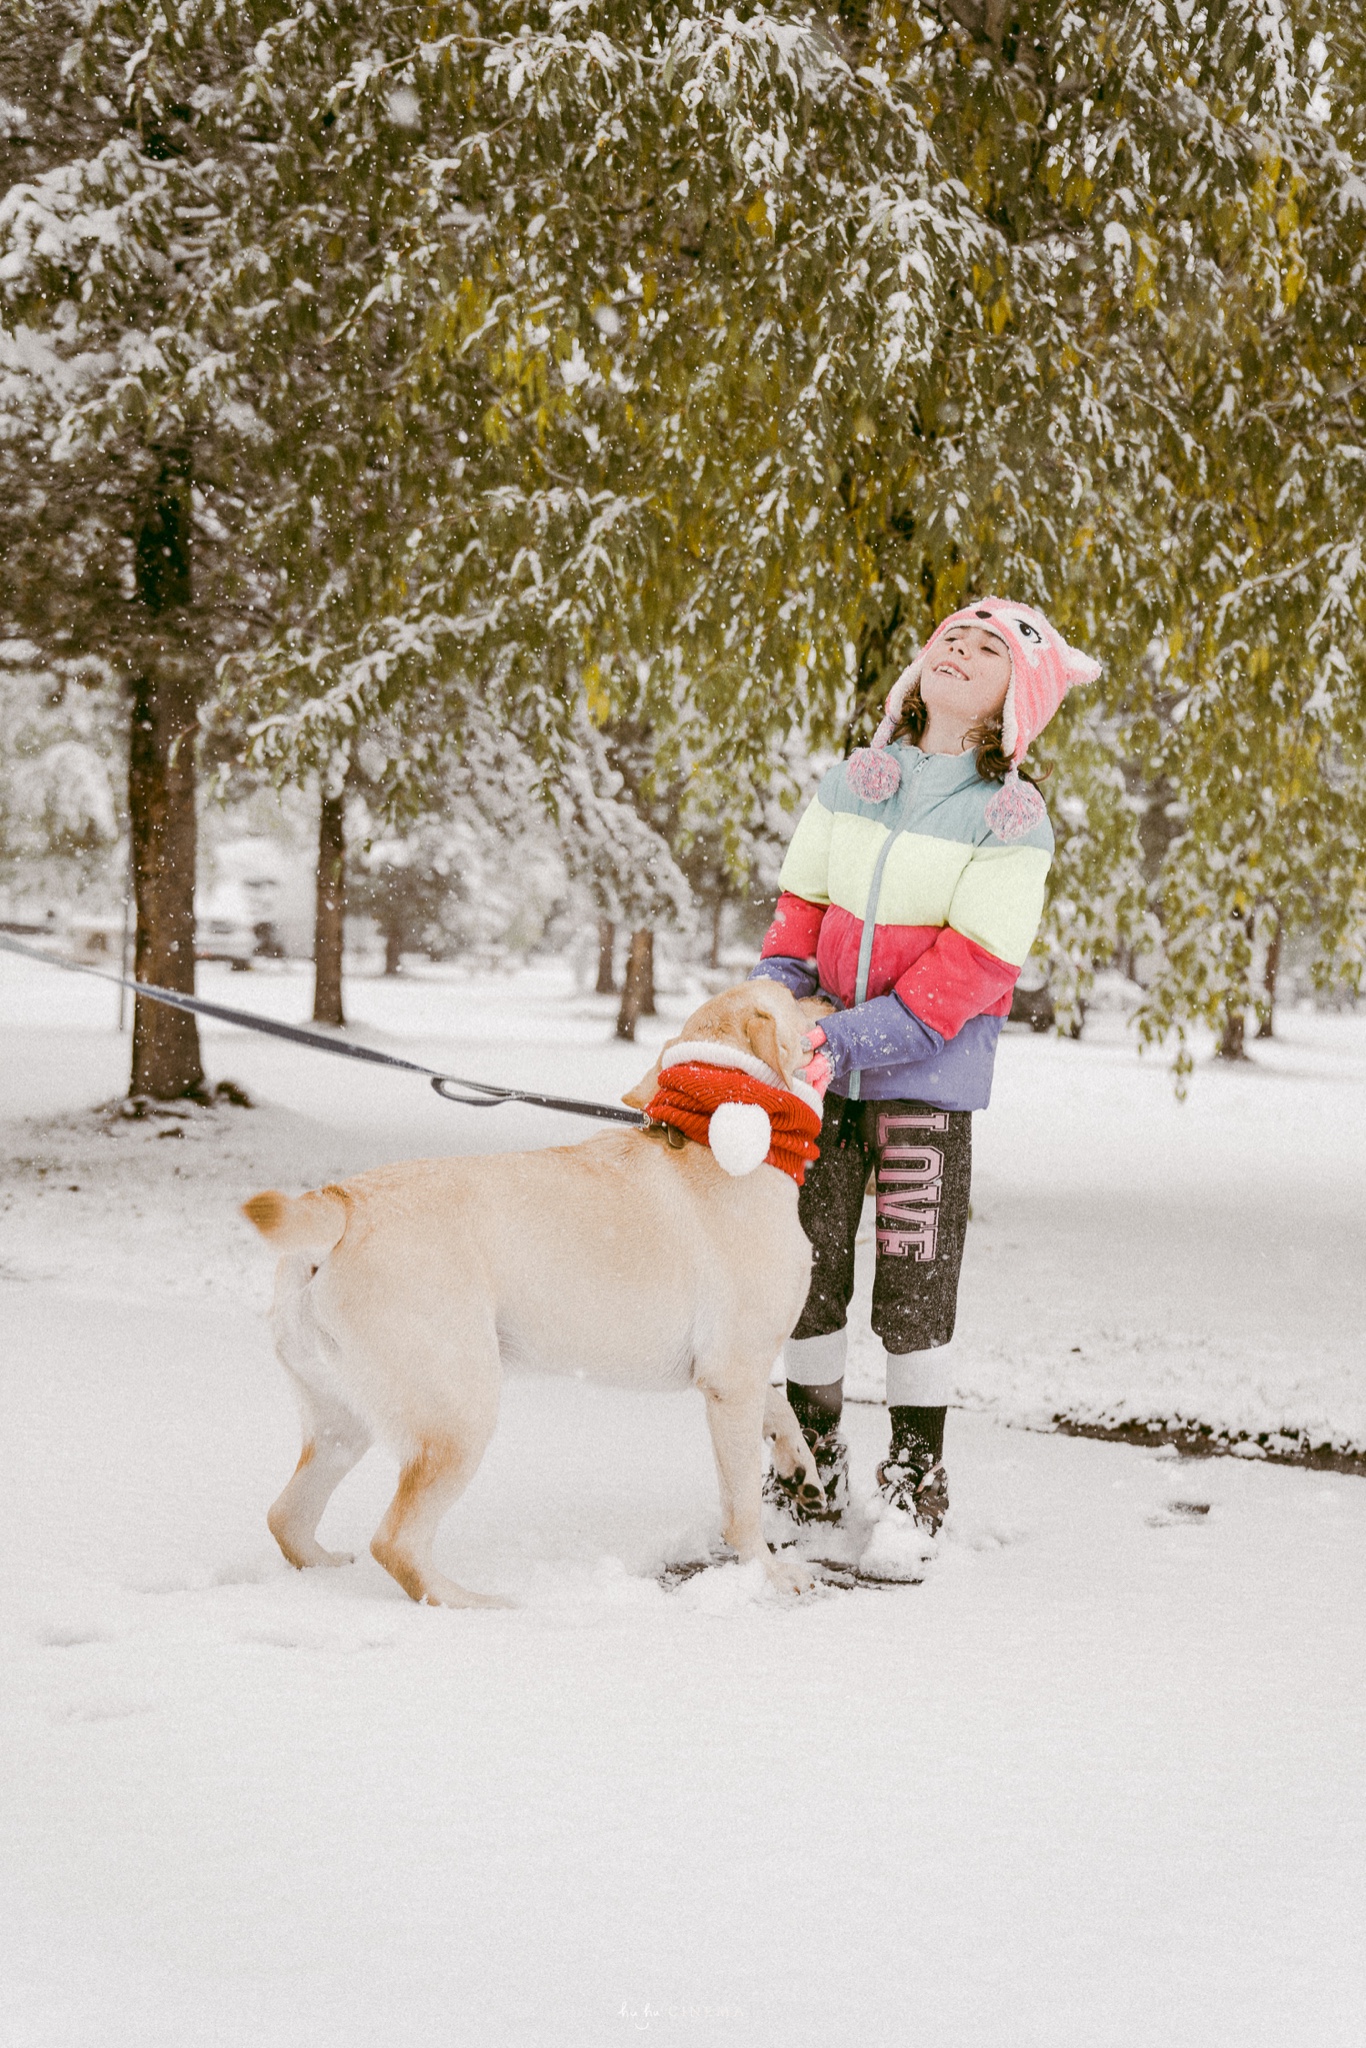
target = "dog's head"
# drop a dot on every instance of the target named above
(758, 1017)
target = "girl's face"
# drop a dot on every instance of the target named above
(967, 676)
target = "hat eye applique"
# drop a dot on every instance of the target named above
(1033, 641)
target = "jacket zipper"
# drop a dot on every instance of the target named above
(865, 950)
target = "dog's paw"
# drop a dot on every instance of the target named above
(305, 1552)
(790, 1452)
(442, 1592)
(788, 1574)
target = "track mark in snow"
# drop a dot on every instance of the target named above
(258, 1573)
(979, 1535)
(325, 1640)
(678, 1573)
(73, 1635)
(107, 1706)
(832, 1576)
(1180, 1514)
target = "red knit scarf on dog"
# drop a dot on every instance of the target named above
(687, 1095)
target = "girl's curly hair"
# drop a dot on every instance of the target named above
(993, 762)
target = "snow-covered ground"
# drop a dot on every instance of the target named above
(1096, 1781)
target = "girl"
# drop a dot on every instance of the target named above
(911, 894)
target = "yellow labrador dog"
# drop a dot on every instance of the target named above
(401, 1294)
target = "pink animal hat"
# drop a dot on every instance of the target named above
(1043, 669)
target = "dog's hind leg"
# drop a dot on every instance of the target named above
(441, 1457)
(335, 1438)
(334, 1441)
(431, 1481)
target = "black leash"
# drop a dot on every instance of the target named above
(476, 1095)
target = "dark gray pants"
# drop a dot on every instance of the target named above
(922, 1157)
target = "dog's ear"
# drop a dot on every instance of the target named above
(761, 1029)
(642, 1094)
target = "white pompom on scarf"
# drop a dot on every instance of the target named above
(740, 1136)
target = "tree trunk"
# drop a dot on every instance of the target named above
(161, 804)
(1231, 1046)
(161, 807)
(718, 905)
(607, 942)
(1266, 1011)
(638, 977)
(647, 972)
(393, 949)
(328, 928)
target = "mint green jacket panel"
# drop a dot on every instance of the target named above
(943, 866)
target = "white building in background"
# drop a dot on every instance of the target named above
(255, 902)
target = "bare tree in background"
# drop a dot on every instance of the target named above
(329, 930)
(607, 941)
(638, 985)
(161, 795)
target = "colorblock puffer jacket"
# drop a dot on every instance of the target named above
(915, 919)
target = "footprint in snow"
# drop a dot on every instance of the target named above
(974, 1533)
(73, 1635)
(105, 1706)
(1179, 1513)
(335, 1641)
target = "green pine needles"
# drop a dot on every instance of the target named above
(652, 379)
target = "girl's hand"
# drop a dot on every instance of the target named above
(818, 1072)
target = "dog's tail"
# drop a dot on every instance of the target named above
(312, 1222)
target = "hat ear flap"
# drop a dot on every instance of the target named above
(896, 699)
(1010, 731)
(901, 688)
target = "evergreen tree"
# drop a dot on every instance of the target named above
(113, 514)
(603, 370)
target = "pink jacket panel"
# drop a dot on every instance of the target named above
(940, 976)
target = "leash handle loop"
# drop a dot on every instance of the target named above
(489, 1097)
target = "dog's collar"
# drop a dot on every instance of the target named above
(746, 1122)
(709, 1052)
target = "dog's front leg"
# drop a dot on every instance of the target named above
(735, 1417)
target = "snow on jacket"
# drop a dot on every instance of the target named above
(915, 918)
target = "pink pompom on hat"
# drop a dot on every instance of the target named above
(1043, 669)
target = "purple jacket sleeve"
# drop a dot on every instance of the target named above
(795, 975)
(882, 1033)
